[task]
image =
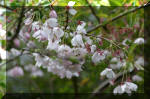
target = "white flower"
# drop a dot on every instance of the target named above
(31, 44)
(28, 21)
(128, 87)
(42, 35)
(38, 59)
(124, 42)
(2, 54)
(35, 72)
(136, 78)
(64, 51)
(130, 67)
(88, 40)
(140, 61)
(51, 22)
(80, 28)
(15, 72)
(64, 69)
(36, 26)
(139, 41)
(71, 3)
(97, 57)
(15, 52)
(77, 41)
(41, 60)
(108, 73)
(106, 52)
(93, 48)
(2, 34)
(115, 63)
(53, 45)
(58, 32)
(72, 11)
(118, 90)
(79, 52)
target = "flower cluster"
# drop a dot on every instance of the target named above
(127, 87)
(51, 33)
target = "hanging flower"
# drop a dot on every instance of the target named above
(118, 90)
(64, 51)
(139, 41)
(2, 53)
(28, 21)
(77, 41)
(53, 45)
(53, 14)
(97, 57)
(108, 73)
(81, 27)
(137, 78)
(128, 87)
(70, 7)
(58, 32)
(93, 48)
(15, 72)
(51, 22)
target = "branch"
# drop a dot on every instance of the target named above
(106, 83)
(10, 60)
(19, 24)
(93, 12)
(119, 16)
(98, 19)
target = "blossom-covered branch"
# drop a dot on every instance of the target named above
(63, 49)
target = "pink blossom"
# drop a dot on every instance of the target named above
(53, 14)
(17, 42)
(15, 72)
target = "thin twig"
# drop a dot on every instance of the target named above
(10, 60)
(93, 12)
(119, 16)
(19, 24)
(105, 39)
(97, 18)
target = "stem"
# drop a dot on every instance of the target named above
(110, 41)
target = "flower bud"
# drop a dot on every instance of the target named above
(27, 35)
(17, 42)
(53, 14)
(15, 72)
